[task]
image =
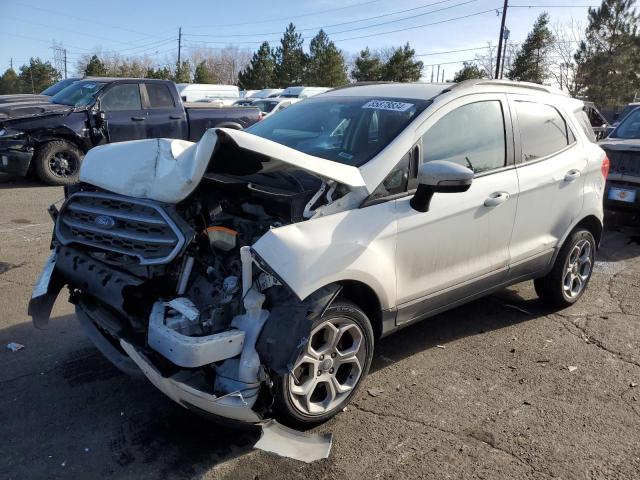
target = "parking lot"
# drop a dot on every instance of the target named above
(499, 388)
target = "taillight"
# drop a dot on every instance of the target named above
(605, 167)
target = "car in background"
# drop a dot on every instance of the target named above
(271, 106)
(267, 93)
(195, 92)
(43, 97)
(303, 92)
(623, 149)
(244, 102)
(52, 138)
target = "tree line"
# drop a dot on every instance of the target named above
(287, 64)
(600, 63)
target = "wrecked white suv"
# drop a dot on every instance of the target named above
(248, 275)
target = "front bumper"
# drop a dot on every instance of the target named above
(15, 157)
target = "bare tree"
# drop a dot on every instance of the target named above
(567, 38)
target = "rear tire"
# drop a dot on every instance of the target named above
(571, 272)
(330, 369)
(58, 162)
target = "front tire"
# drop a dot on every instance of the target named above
(571, 272)
(58, 162)
(329, 370)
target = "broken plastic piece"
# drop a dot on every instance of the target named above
(290, 443)
(222, 238)
(14, 347)
(571, 368)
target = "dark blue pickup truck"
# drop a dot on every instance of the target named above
(50, 139)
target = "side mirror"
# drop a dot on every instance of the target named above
(442, 177)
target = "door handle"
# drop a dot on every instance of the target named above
(496, 199)
(175, 117)
(572, 175)
(137, 119)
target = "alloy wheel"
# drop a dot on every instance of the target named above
(577, 269)
(329, 367)
(63, 164)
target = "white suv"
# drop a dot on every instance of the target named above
(249, 275)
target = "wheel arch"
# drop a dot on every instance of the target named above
(592, 223)
(366, 299)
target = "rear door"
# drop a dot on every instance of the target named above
(550, 165)
(165, 119)
(461, 245)
(122, 105)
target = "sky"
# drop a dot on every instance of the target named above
(433, 27)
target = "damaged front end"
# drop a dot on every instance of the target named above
(175, 292)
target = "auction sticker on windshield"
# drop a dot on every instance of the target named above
(388, 105)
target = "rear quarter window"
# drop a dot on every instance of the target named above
(159, 96)
(543, 131)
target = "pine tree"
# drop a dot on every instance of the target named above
(260, 73)
(608, 60)
(161, 73)
(290, 59)
(531, 63)
(402, 66)
(38, 75)
(468, 71)
(204, 74)
(368, 67)
(325, 66)
(9, 82)
(182, 73)
(95, 68)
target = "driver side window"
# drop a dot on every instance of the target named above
(472, 135)
(122, 97)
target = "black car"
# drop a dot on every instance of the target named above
(51, 139)
(623, 149)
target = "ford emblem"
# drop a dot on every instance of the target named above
(104, 221)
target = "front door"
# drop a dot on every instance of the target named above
(461, 245)
(123, 110)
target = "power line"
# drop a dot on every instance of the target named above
(345, 23)
(289, 17)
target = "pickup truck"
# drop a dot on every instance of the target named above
(51, 139)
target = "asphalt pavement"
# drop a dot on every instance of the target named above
(501, 388)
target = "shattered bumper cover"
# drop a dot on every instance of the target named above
(181, 389)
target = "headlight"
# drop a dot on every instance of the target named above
(6, 132)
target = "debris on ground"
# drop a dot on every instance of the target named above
(286, 442)
(633, 384)
(514, 307)
(397, 388)
(440, 346)
(571, 368)
(375, 391)
(14, 347)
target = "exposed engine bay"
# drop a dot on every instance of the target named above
(175, 290)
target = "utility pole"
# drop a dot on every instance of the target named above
(504, 17)
(432, 67)
(179, 49)
(438, 75)
(442, 74)
(11, 63)
(505, 35)
(65, 63)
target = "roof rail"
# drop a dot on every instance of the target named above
(509, 83)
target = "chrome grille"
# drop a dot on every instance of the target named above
(624, 162)
(134, 227)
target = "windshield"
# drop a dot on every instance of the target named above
(56, 87)
(629, 127)
(626, 112)
(348, 130)
(265, 106)
(79, 94)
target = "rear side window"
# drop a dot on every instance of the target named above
(472, 135)
(584, 122)
(543, 131)
(122, 97)
(159, 96)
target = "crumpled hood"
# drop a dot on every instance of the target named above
(23, 98)
(169, 170)
(20, 110)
